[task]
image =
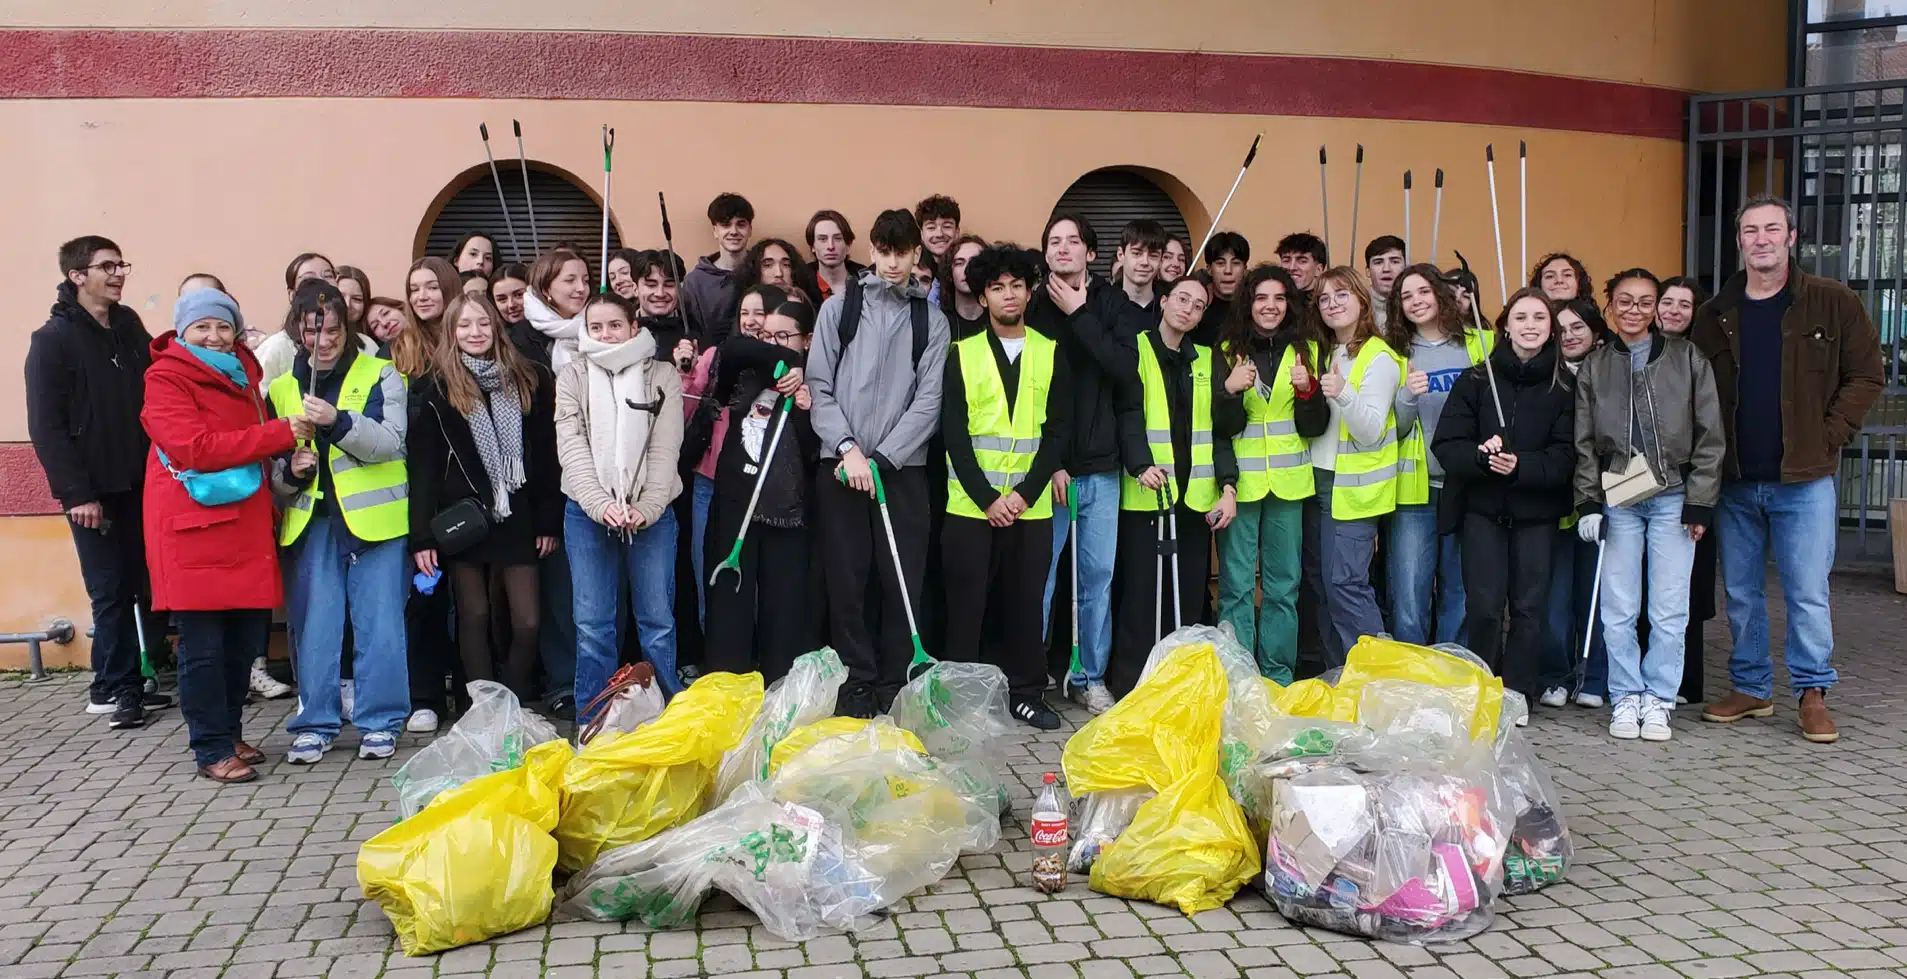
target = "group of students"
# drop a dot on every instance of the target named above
(892, 459)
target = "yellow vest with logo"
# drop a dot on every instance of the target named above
(1365, 484)
(1273, 459)
(1201, 486)
(1004, 441)
(1413, 457)
(374, 498)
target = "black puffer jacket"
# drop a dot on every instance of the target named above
(85, 387)
(1539, 402)
(1100, 341)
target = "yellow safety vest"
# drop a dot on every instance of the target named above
(1365, 484)
(1273, 459)
(373, 497)
(1413, 457)
(1004, 441)
(1201, 486)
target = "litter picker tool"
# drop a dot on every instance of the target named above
(1250, 155)
(523, 166)
(516, 250)
(1476, 319)
(1324, 193)
(1406, 217)
(1073, 669)
(1357, 193)
(921, 659)
(668, 239)
(1436, 217)
(1595, 596)
(609, 148)
(1523, 204)
(1496, 225)
(1168, 560)
(733, 562)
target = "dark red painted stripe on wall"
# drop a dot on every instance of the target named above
(552, 65)
(23, 489)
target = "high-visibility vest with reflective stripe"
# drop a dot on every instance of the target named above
(1273, 459)
(1201, 485)
(1004, 441)
(373, 497)
(1365, 484)
(1413, 456)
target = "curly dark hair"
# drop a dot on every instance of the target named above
(1239, 329)
(1583, 285)
(1003, 259)
(1398, 329)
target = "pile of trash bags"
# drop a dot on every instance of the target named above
(1393, 799)
(811, 821)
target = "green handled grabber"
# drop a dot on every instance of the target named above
(734, 560)
(921, 659)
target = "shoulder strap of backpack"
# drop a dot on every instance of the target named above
(920, 328)
(850, 317)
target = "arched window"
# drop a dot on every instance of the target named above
(565, 212)
(1110, 197)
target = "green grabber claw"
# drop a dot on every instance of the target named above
(936, 694)
(734, 560)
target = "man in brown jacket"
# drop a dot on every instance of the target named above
(1797, 363)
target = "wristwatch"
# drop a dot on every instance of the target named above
(845, 445)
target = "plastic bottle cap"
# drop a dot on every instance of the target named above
(1051, 778)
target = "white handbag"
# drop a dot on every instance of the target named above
(1637, 481)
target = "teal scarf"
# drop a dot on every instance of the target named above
(226, 364)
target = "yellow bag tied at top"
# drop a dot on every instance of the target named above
(1387, 659)
(476, 862)
(625, 788)
(885, 736)
(1189, 845)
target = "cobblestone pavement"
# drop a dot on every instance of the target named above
(1730, 851)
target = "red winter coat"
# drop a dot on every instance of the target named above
(208, 558)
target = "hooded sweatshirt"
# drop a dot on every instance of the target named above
(85, 386)
(709, 300)
(874, 392)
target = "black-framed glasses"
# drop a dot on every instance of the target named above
(112, 268)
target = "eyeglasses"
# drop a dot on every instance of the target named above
(776, 336)
(112, 268)
(1625, 304)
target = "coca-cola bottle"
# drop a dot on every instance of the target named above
(1049, 838)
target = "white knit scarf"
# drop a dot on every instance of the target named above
(618, 432)
(566, 332)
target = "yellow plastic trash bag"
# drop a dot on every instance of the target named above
(1387, 659)
(1189, 845)
(475, 863)
(625, 788)
(1306, 698)
(883, 737)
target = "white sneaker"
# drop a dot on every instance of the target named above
(345, 696)
(1626, 721)
(1522, 720)
(1554, 697)
(1096, 699)
(1681, 701)
(264, 684)
(422, 721)
(1655, 719)
(1589, 700)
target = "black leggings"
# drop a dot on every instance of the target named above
(472, 585)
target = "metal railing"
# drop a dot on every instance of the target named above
(61, 631)
(1835, 152)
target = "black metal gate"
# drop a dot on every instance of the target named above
(1835, 152)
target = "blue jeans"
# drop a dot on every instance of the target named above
(1424, 566)
(1799, 522)
(1652, 528)
(1572, 576)
(703, 494)
(324, 576)
(601, 564)
(1098, 546)
(1345, 549)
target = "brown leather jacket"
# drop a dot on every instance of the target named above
(1831, 369)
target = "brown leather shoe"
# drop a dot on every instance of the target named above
(248, 754)
(229, 771)
(1816, 725)
(1736, 706)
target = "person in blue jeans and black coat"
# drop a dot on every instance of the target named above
(1648, 465)
(1797, 364)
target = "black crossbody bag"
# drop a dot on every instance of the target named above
(464, 524)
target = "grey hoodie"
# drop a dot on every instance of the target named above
(876, 394)
(709, 300)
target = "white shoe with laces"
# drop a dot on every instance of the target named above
(1589, 700)
(264, 684)
(1655, 719)
(1097, 699)
(1625, 721)
(1554, 697)
(422, 721)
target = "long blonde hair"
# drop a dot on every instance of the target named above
(413, 350)
(1348, 278)
(519, 375)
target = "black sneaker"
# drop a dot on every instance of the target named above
(856, 700)
(687, 674)
(154, 701)
(1033, 711)
(563, 708)
(127, 712)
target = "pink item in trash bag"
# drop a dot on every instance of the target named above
(1418, 901)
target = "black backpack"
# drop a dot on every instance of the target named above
(851, 322)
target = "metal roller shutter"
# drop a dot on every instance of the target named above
(564, 212)
(1107, 199)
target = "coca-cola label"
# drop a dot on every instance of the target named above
(1049, 831)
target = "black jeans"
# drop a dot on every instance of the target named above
(763, 618)
(1000, 570)
(1134, 628)
(1506, 563)
(856, 559)
(112, 562)
(216, 650)
(431, 657)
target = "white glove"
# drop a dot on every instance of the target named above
(1589, 527)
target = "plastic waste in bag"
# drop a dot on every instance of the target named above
(1102, 817)
(881, 736)
(1249, 716)
(474, 864)
(1540, 848)
(492, 736)
(1447, 666)
(1188, 845)
(624, 788)
(632, 699)
(959, 711)
(806, 695)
